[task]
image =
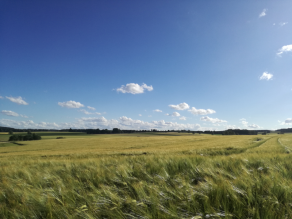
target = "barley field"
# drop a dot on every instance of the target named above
(147, 175)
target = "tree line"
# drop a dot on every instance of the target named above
(28, 137)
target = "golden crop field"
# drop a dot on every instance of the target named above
(161, 143)
(148, 175)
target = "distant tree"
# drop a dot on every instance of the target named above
(10, 132)
(116, 130)
(29, 132)
(28, 137)
(36, 137)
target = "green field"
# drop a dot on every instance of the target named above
(147, 175)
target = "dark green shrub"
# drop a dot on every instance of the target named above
(28, 137)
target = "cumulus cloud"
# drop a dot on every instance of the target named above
(89, 113)
(208, 119)
(30, 124)
(175, 114)
(94, 119)
(263, 13)
(287, 48)
(157, 110)
(102, 123)
(181, 106)
(17, 100)
(195, 111)
(70, 104)
(288, 121)
(183, 118)
(133, 88)
(266, 76)
(85, 112)
(245, 124)
(9, 113)
(160, 125)
(91, 108)
(253, 126)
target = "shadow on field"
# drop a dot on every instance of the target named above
(17, 143)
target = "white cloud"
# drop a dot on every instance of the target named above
(245, 124)
(266, 76)
(286, 122)
(208, 119)
(157, 110)
(85, 112)
(91, 108)
(160, 125)
(140, 115)
(287, 48)
(70, 104)
(175, 114)
(102, 123)
(17, 100)
(29, 124)
(9, 113)
(283, 23)
(133, 88)
(94, 119)
(263, 13)
(183, 118)
(181, 106)
(253, 126)
(89, 113)
(195, 111)
(1, 97)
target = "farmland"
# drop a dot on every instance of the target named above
(146, 175)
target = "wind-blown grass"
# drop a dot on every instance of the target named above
(255, 183)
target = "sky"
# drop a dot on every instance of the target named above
(166, 65)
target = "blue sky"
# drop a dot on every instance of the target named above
(198, 65)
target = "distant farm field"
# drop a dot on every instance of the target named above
(115, 144)
(147, 175)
